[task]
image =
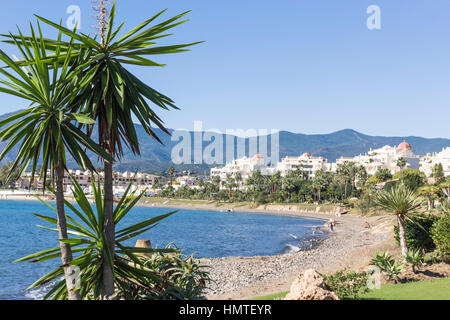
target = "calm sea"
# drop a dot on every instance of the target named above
(210, 233)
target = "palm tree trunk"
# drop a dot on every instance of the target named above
(109, 230)
(402, 234)
(66, 251)
(430, 203)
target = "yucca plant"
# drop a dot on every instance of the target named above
(184, 277)
(388, 265)
(402, 202)
(429, 191)
(114, 95)
(415, 259)
(48, 128)
(393, 270)
(89, 240)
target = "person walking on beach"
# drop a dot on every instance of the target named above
(331, 224)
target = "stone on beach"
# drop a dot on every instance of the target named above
(310, 285)
(144, 243)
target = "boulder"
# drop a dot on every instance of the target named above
(144, 243)
(310, 285)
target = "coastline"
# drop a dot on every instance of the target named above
(283, 210)
(351, 245)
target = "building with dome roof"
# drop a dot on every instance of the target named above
(386, 157)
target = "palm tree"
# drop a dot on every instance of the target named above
(113, 95)
(318, 183)
(401, 201)
(445, 188)
(429, 191)
(401, 163)
(45, 130)
(238, 179)
(171, 172)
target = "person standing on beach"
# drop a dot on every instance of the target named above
(331, 224)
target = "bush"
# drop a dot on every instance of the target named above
(440, 233)
(433, 257)
(183, 278)
(415, 258)
(412, 178)
(347, 284)
(418, 232)
(444, 206)
(261, 198)
(388, 265)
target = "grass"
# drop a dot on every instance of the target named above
(273, 296)
(438, 289)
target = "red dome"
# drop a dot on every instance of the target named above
(258, 156)
(404, 145)
(307, 154)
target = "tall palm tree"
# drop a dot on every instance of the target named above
(113, 95)
(401, 201)
(45, 130)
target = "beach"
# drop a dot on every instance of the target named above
(350, 245)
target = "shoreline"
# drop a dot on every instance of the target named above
(351, 245)
(285, 210)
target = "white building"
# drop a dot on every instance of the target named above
(120, 180)
(428, 162)
(305, 162)
(385, 158)
(245, 166)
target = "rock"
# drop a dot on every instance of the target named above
(144, 243)
(310, 285)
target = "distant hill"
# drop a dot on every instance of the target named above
(156, 157)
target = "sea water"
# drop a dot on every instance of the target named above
(206, 233)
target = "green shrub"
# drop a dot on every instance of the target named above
(388, 265)
(347, 284)
(444, 206)
(432, 257)
(418, 232)
(412, 178)
(183, 278)
(415, 258)
(440, 233)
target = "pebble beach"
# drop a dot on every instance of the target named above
(248, 277)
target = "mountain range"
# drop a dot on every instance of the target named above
(156, 157)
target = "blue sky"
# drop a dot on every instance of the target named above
(307, 66)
